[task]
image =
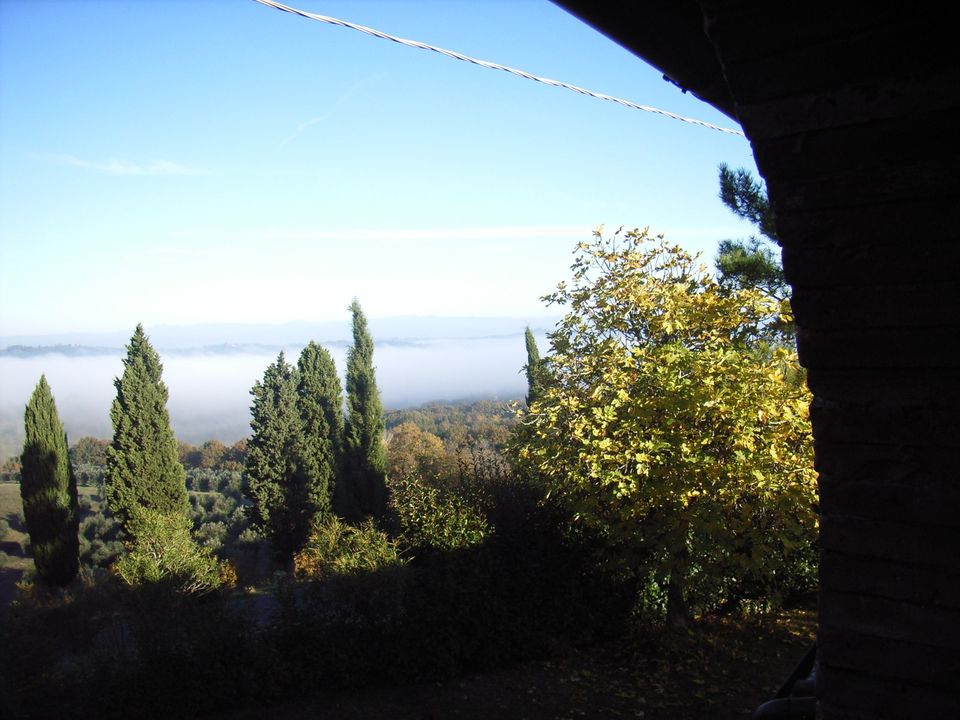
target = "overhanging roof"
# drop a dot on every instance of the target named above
(669, 35)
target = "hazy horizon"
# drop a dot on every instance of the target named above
(173, 180)
(395, 328)
(209, 390)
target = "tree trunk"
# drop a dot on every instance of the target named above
(677, 613)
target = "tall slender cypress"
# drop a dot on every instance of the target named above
(49, 491)
(278, 469)
(320, 404)
(534, 368)
(363, 432)
(143, 465)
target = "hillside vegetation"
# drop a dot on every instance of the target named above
(652, 499)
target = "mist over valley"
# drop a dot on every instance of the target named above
(418, 360)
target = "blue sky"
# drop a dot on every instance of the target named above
(177, 162)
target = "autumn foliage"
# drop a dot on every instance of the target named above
(669, 426)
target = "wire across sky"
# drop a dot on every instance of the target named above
(496, 66)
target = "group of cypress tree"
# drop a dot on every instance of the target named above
(143, 466)
(290, 470)
(304, 459)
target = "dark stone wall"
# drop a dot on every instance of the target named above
(853, 112)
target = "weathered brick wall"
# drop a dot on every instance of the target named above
(853, 111)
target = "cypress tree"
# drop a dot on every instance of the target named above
(278, 469)
(320, 404)
(533, 368)
(49, 491)
(143, 465)
(363, 432)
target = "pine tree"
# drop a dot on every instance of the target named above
(143, 465)
(365, 453)
(278, 469)
(754, 264)
(533, 368)
(749, 264)
(49, 491)
(747, 199)
(320, 404)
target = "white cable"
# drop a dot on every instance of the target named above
(497, 66)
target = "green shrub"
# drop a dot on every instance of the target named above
(99, 540)
(336, 548)
(437, 518)
(249, 535)
(85, 504)
(89, 475)
(369, 616)
(165, 554)
(212, 534)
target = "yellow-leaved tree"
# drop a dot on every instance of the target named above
(669, 426)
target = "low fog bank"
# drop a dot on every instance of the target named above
(210, 391)
(186, 337)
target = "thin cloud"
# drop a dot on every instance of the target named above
(359, 85)
(127, 167)
(304, 125)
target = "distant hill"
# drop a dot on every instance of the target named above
(233, 338)
(417, 360)
(29, 351)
